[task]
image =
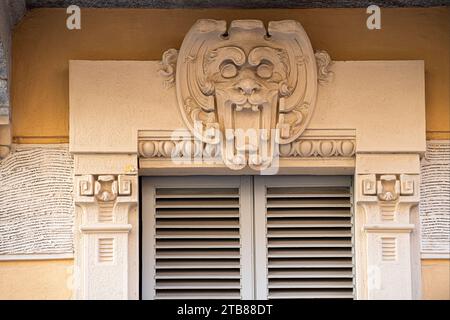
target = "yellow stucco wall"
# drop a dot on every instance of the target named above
(42, 47)
(49, 279)
(436, 279)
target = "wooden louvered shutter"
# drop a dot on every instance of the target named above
(197, 239)
(303, 236)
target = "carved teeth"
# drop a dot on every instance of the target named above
(247, 105)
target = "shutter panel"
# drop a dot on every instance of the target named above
(303, 237)
(197, 240)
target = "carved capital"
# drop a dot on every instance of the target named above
(103, 188)
(389, 187)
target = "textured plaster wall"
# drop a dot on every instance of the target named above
(435, 218)
(36, 203)
(435, 197)
(42, 47)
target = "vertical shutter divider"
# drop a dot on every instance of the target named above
(246, 241)
(260, 238)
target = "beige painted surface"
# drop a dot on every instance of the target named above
(42, 48)
(48, 279)
(436, 279)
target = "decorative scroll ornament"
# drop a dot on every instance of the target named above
(323, 60)
(256, 88)
(168, 67)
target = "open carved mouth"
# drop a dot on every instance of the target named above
(246, 105)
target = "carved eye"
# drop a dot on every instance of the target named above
(264, 71)
(228, 70)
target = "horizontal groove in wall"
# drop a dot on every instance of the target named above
(40, 140)
(435, 255)
(438, 135)
(431, 135)
(34, 257)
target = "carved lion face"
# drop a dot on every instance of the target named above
(253, 84)
(249, 80)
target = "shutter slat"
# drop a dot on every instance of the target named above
(317, 243)
(199, 264)
(308, 213)
(199, 224)
(309, 263)
(197, 244)
(201, 276)
(197, 203)
(318, 192)
(197, 213)
(309, 233)
(329, 294)
(308, 254)
(310, 274)
(322, 203)
(213, 253)
(197, 294)
(306, 284)
(196, 234)
(308, 223)
(202, 193)
(189, 284)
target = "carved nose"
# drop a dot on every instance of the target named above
(248, 87)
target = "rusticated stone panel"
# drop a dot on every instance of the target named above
(36, 202)
(435, 197)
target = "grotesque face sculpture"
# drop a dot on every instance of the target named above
(246, 80)
(253, 88)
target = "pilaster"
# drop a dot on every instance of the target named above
(386, 226)
(106, 229)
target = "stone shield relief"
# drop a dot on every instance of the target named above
(245, 90)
